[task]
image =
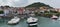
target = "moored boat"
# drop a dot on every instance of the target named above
(54, 17)
(15, 20)
(32, 21)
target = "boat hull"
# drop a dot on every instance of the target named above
(13, 23)
(32, 24)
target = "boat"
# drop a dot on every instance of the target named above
(32, 21)
(54, 17)
(1, 15)
(15, 20)
(32, 14)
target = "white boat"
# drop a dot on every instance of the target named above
(1, 14)
(54, 17)
(32, 14)
(32, 21)
(15, 20)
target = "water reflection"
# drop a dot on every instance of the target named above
(33, 26)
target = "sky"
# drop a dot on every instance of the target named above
(22, 3)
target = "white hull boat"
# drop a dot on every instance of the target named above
(1, 14)
(32, 21)
(54, 17)
(15, 20)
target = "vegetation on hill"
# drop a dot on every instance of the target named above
(38, 4)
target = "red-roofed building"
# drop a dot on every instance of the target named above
(21, 10)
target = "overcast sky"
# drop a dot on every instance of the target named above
(22, 3)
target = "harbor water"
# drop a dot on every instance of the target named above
(43, 22)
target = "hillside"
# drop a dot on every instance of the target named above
(38, 4)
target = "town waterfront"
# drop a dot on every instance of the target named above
(43, 22)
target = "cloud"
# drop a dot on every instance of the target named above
(17, 3)
(21, 3)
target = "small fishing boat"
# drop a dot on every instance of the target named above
(54, 17)
(15, 20)
(32, 21)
